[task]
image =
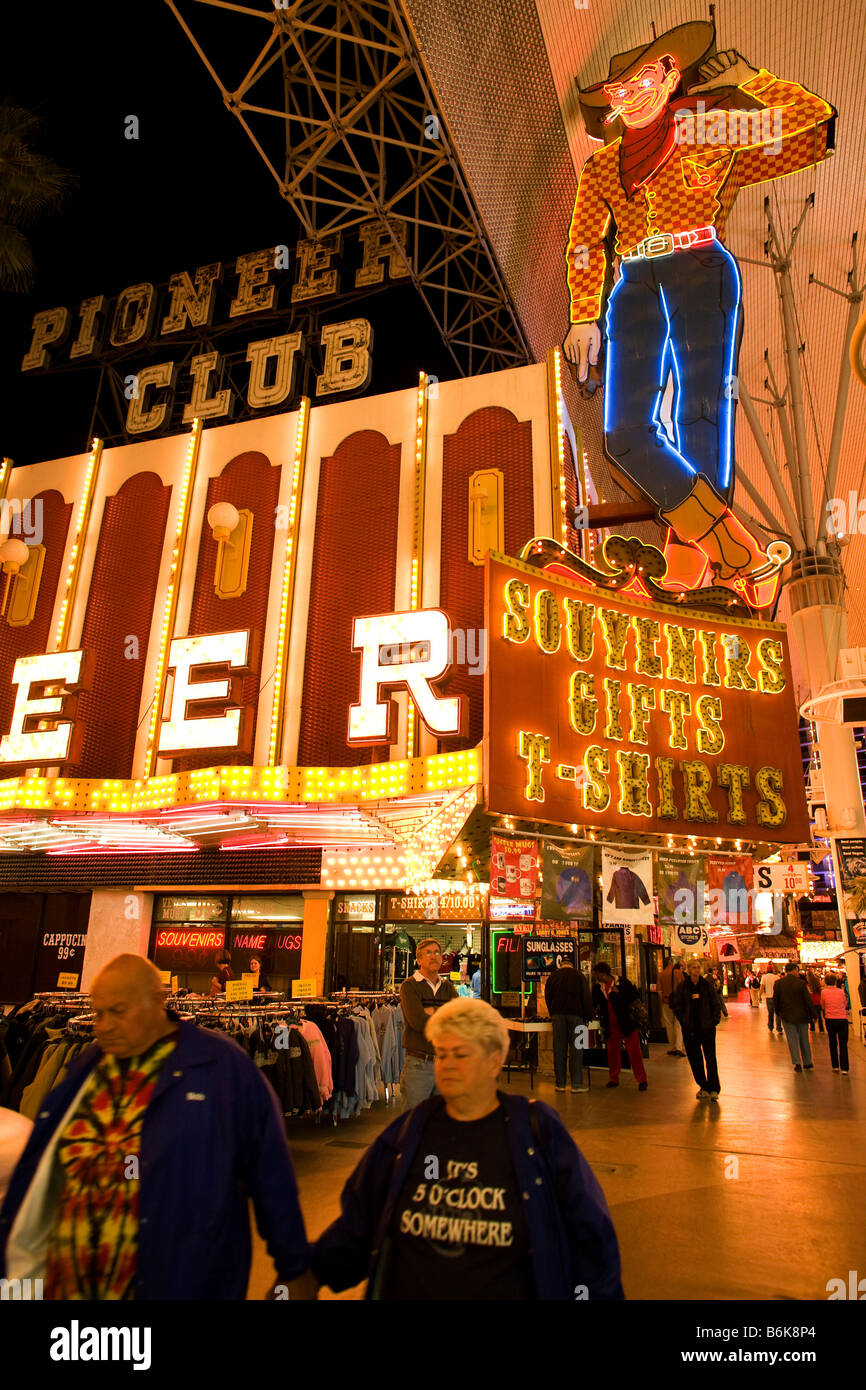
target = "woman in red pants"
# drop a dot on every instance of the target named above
(613, 998)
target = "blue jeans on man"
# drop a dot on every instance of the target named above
(797, 1035)
(417, 1081)
(677, 315)
(564, 1040)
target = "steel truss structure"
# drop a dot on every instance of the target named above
(336, 100)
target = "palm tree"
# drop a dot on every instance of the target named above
(30, 184)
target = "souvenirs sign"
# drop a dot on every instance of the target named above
(611, 710)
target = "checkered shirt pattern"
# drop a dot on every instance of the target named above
(697, 185)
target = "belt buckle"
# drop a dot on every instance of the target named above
(660, 245)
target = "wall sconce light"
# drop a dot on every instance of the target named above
(233, 532)
(13, 553)
(222, 520)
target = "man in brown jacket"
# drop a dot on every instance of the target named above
(668, 981)
(420, 996)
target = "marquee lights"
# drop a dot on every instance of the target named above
(81, 522)
(289, 570)
(433, 775)
(557, 451)
(171, 593)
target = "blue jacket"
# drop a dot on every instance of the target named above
(571, 1236)
(213, 1139)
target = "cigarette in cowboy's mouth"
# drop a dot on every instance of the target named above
(617, 111)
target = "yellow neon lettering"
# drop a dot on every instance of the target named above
(698, 783)
(643, 699)
(734, 777)
(615, 628)
(677, 703)
(771, 655)
(596, 792)
(772, 810)
(711, 738)
(647, 633)
(582, 704)
(681, 653)
(535, 750)
(708, 648)
(634, 783)
(579, 631)
(546, 621)
(515, 625)
(737, 655)
(665, 773)
(612, 691)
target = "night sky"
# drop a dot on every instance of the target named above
(190, 190)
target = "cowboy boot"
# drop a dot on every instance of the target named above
(686, 564)
(705, 520)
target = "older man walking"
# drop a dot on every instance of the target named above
(137, 1177)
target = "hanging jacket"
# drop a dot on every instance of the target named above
(212, 1141)
(571, 1235)
(320, 1055)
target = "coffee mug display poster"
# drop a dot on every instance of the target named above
(513, 868)
(626, 887)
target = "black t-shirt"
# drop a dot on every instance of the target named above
(458, 1230)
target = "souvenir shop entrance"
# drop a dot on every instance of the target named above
(375, 937)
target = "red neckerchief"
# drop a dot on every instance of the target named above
(643, 152)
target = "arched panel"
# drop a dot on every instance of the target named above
(354, 572)
(35, 638)
(488, 438)
(252, 483)
(117, 623)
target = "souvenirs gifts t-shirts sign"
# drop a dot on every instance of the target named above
(626, 886)
(513, 868)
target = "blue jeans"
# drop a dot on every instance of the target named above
(677, 314)
(417, 1081)
(770, 1012)
(563, 1046)
(797, 1035)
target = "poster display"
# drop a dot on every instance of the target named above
(851, 857)
(730, 890)
(626, 887)
(566, 887)
(680, 895)
(513, 868)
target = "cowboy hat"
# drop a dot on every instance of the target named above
(689, 44)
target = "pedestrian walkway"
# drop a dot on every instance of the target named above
(761, 1196)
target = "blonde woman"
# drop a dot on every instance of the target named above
(474, 1194)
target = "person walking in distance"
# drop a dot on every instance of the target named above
(835, 1006)
(669, 980)
(420, 996)
(768, 989)
(754, 986)
(697, 1005)
(814, 984)
(794, 1007)
(614, 999)
(569, 1002)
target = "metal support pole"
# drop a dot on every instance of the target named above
(771, 467)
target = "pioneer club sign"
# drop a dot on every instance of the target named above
(277, 281)
(679, 722)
